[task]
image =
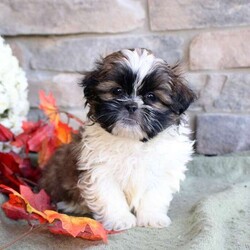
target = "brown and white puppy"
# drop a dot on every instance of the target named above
(131, 157)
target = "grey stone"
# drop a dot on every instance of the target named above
(192, 14)
(64, 87)
(35, 115)
(222, 133)
(235, 94)
(220, 92)
(69, 17)
(220, 50)
(196, 82)
(71, 54)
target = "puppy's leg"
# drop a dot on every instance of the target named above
(153, 206)
(107, 202)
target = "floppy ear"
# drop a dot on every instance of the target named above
(88, 83)
(182, 98)
(182, 95)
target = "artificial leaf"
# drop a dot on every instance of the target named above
(87, 234)
(82, 227)
(30, 173)
(29, 129)
(15, 209)
(39, 201)
(21, 141)
(48, 105)
(18, 172)
(63, 133)
(49, 146)
(5, 134)
(9, 162)
(19, 208)
(15, 171)
(9, 170)
(30, 206)
(35, 143)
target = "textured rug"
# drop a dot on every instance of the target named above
(212, 211)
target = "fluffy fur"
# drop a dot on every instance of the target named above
(130, 159)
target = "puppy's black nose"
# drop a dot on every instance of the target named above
(131, 107)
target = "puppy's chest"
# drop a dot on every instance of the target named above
(126, 161)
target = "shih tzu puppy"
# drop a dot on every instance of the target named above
(131, 156)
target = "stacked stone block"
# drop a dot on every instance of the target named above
(57, 40)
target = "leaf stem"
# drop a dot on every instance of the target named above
(20, 237)
(28, 181)
(71, 116)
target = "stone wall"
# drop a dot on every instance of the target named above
(56, 39)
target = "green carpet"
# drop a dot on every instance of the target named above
(211, 212)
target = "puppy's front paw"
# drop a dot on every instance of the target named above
(151, 219)
(120, 222)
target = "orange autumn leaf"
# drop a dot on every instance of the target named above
(63, 133)
(87, 234)
(62, 130)
(48, 147)
(48, 105)
(76, 226)
(19, 207)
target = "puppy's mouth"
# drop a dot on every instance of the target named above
(128, 127)
(129, 121)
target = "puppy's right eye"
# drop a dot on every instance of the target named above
(118, 91)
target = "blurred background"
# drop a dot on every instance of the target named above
(54, 40)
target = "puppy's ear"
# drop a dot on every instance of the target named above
(182, 95)
(182, 98)
(89, 83)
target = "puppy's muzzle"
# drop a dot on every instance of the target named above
(131, 107)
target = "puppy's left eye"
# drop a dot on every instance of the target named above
(117, 91)
(150, 97)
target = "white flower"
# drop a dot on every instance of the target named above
(14, 105)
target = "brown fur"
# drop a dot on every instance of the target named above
(60, 175)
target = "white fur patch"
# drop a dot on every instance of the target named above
(123, 129)
(123, 174)
(141, 62)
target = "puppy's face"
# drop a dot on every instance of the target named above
(133, 94)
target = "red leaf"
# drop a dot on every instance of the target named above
(15, 171)
(8, 161)
(30, 173)
(19, 207)
(39, 201)
(28, 205)
(29, 128)
(15, 209)
(21, 140)
(5, 134)
(9, 170)
(39, 136)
